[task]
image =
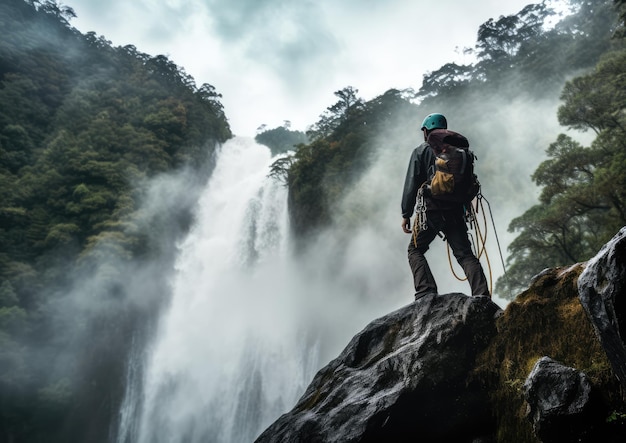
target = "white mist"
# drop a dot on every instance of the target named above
(250, 322)
(231, 354)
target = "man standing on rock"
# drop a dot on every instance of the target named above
(436, 215)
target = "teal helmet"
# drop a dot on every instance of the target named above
(434, 121)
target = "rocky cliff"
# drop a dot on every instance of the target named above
(551, 367)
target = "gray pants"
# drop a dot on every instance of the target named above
(452, 225)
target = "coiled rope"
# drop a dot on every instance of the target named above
(479, 243)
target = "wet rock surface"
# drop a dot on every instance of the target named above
(558, 401)
(602, 292)
(457, 368)
(406, 374)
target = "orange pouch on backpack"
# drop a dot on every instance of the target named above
(442, 182)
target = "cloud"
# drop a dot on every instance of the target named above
(283, 38)
(276, 60)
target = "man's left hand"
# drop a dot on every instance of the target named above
(406, 225)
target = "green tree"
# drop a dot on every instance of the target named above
(500, 40)
(281, 139)
(520, 52)
(319, 173)
(83, 125)
(349, 103)
(621, 7)
(583, 198)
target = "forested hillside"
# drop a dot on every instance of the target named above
(281, 139)
(87, 129)
(522, 59)
(583, 188)
(83, 125)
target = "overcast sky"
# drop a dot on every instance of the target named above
(276, 60)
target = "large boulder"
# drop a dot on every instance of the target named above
(406, 377)
(602, 292)
(457, 368)
(559, 399)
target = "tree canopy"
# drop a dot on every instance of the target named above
(516, 56)
(583, 197)
(344, 140)
(83, 126)
(280, 139)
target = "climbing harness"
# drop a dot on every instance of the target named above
(421, 222)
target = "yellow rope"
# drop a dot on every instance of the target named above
(480, 243)
(484, 240)
(479, 247)
(452, 266)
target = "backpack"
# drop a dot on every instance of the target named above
(452, 176)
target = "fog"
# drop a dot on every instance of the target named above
(277, 60)
(231, 350)
(251, 321)
(225, 323)
(220, 326)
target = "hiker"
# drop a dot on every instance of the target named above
(442, 216)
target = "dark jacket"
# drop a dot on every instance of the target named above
(422, 160)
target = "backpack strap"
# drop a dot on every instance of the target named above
(464, 153)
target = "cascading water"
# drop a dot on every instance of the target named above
(231, 354)
(249, 321)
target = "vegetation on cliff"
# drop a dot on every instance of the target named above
(582, 202)
(83, 125)
(583, 196)
(281, 139)
(546, 319)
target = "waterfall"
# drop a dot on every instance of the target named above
(250, 322)
(231, 353)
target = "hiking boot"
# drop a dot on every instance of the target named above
(419, 296)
